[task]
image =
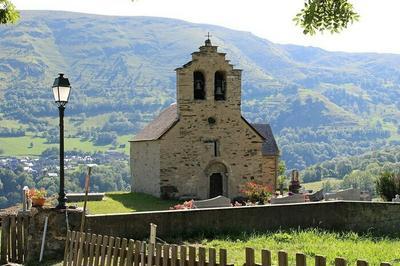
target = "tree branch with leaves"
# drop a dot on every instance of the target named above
(8, 12)
(325, 15)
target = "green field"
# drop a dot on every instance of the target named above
(315, 186)
(21, 146)
(119, 202)
(310, 242)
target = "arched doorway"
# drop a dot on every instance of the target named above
(218, 183)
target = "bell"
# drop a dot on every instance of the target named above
(198, 85)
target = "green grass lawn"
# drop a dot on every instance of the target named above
(119, 202)
(310, 242)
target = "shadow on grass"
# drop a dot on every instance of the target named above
(142, 202)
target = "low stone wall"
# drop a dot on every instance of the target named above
(56, 232)
(379, 218)
(75, 197)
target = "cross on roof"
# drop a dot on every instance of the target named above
(208, 35)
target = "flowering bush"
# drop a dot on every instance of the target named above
(34, 193)
(257, 192)
(185, 206)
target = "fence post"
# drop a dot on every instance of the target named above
(97, 249)
(157, 261)
(5, 223)
(362, 263)
(143, 254)
(266, 258)
(92, 246)
(282, 258)
(301, 259)
(192, 256)
(67, 240)
(85, 248)
(150, 254)
(25, 229)
(320, 261)
(340, 262)
(103, 250)
(20, 253)
(174, 255)
(136, 255)
(109, 250)
(131, 247)
(202, 256)
(212, 257)
(116, 251)
(122, 253)
(165, 256)
(182, 256)
(222, 257)
(249, 257)
(13, 236)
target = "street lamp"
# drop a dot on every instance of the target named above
(61, 90)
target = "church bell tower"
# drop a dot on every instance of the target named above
(208, 80)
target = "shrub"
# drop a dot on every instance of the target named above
(34, 193)
(185, 206)
(257, 192)
(388, 185)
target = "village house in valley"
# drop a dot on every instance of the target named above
(202, 146)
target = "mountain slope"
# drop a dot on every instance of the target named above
(123, 66)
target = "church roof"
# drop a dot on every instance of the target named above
(269, 146)
(169, 117)
(159, 126)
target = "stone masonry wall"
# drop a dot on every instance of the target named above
(185, 153)
(56, 232)
(145, 163)
(362, 217)
(270, 165)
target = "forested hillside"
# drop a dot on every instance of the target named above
(321, 104)
(356, 171)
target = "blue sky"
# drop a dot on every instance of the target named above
(377, 30)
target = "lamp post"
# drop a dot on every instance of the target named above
(61, 91)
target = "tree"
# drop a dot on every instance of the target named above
(8, 13)
(317, 15)
(388, 185)
(325, 15)
(281, 167)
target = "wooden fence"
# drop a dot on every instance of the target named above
(91, 249)
(14, 238)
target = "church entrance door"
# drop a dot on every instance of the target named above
(216, 185)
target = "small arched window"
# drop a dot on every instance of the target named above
(199, 86)
(219, 86)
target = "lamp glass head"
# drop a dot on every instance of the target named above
(61, 89)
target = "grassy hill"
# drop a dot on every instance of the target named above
(121, 71)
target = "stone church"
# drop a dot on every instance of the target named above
(202, 146)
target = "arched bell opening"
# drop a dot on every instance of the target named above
(199, 86)
(220, 86)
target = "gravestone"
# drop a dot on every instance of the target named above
(295, 198)
(346, 194)
(316, 196)
(396, 198)
(294, 186)
(219, 201)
